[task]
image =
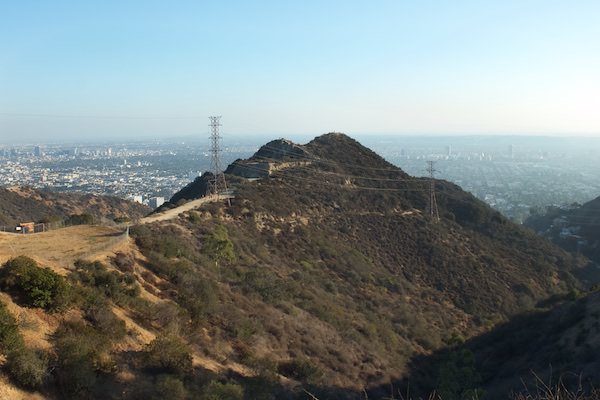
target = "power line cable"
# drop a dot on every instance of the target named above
(275, 174)
(392, 168)
(307, 168)
(90, 116)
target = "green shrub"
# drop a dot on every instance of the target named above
(117, 286)
(196, 294)
(218, 246)
(223, 391)
(124, 262)
(300, 369)
(458, 377)
(27, 368)
(81, 219)
(166, 243)
(194, 217)
(82, 354)
(35, 286)
(10, 339)
(268, 286)
(168, 354)
(143, 236)
(168, 387)
(169, 316)
(100, 315)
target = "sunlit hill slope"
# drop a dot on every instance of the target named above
(327, 274)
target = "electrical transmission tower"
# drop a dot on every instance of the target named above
(217, 185)
(432, 205)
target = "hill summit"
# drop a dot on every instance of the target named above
(326, 275)
(330, 235)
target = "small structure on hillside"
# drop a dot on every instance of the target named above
(26, 227)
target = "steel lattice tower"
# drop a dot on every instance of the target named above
(432, 205)
(218, 185)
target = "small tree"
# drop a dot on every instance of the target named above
(458, 377)
(219, 247)
(168, 354)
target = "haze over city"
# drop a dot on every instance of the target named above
(300, 200)
(141, 70)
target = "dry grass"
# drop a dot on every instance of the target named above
(34, 324)
(556, 391)
(59, 248)
(10, 392)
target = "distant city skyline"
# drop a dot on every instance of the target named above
(89, 71)
(512, 174)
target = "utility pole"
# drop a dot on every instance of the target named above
(217, 185)
(432, 205)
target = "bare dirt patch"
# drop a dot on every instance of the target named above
(174, 212)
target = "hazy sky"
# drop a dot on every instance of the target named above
(80, 69)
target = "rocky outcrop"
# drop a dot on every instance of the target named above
(276, 155)
(281, 149)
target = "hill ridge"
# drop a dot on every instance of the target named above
(323, 274)
(342, 213)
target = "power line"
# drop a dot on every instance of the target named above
(218, 185)
(276, 174)
(432, 205)
(308, 168)
(392, 167)
(91, 116)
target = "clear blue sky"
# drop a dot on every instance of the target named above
(82, 69)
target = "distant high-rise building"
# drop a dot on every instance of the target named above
(109, 152)
(448, 150)
(37, 151)
(511, 151)
(156, 202)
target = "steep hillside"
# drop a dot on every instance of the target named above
(328, 256)
(576, 229)
(193, 190)
(326, 277)
(542, 348)
(21, 204)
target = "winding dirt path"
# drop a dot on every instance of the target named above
(174, 212)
